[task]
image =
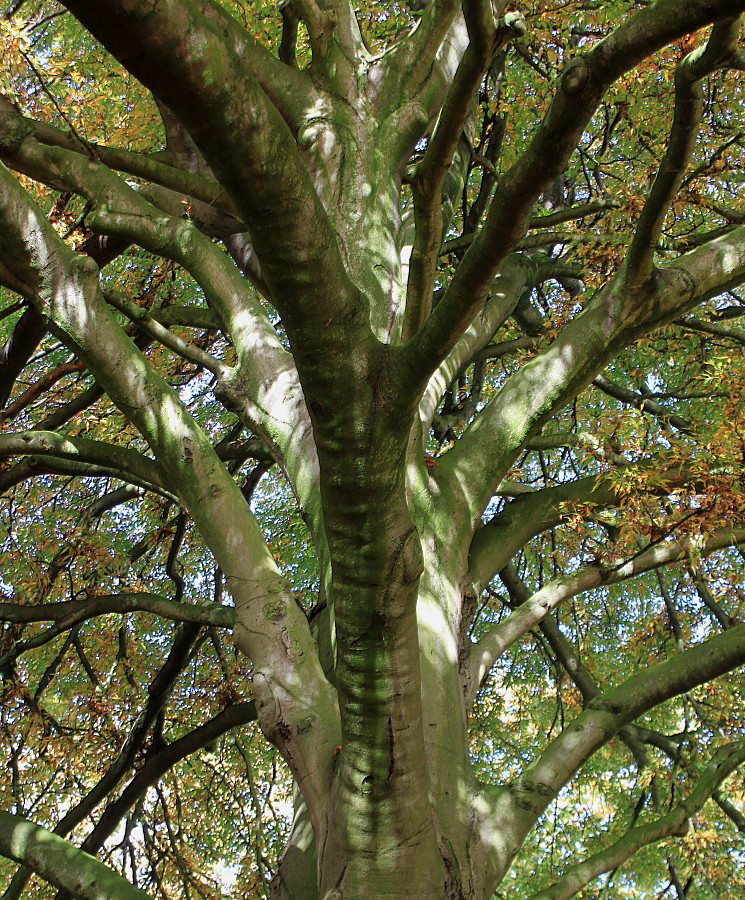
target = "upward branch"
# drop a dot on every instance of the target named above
(608, 713)
(484, 41)
(720, 50)
(724, 762)
(409, 63)
(613, 319)
(60, 863)
(578, 93)
(188, 61)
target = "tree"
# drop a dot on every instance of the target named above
(446, 292)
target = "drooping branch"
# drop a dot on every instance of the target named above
(187, 638)
(130, 463)
(160, 762)
(268, 620)
(645, 404)
(159, 690)
(69, 613)
(524, 800)
(721, 766)
(499, 638)
(60, 863)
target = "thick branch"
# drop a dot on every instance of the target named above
(495, 543)
(613, 319)
(243, 137)
(608, 713)
(336, 42)
(129, 463)
(484, 42)
(268, 620)
(411, 61)
(69, 613)
(58, 862)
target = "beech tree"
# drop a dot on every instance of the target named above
(398, 347)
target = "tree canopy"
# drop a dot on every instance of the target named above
(372, 436)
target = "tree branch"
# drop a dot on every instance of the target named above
(158, 692)
(148, 168)
(639, 401)
(256, 158)
(157, 764)
(513, 279)
(608, 713)
(721, 766)
(18, 349)
(268, 620)
(130, 463)
(723, 331)
(719, 49)
(579, 91)
(69, 613)
(493, 644)
(147, 323)
(59, 863)
(612, 319)
(130, 216)
(36, 465)
(34, 391)
(529, 514)
(411, 61)
(484, 41)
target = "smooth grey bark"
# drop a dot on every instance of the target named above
(62, 864)
(375, 732)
